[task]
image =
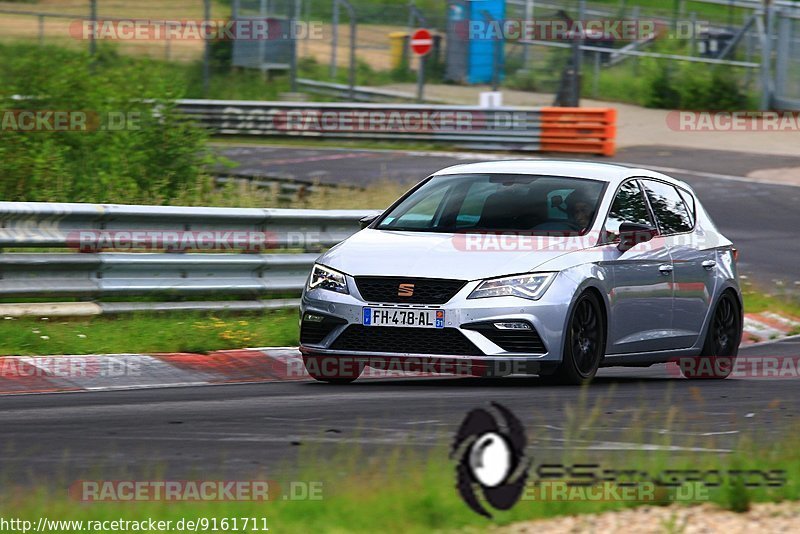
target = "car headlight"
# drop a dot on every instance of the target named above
(326, 278)
(528, 286)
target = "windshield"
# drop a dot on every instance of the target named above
(539, 205)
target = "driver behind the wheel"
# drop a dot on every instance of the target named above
(579, 210)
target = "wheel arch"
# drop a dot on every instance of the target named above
(732, 288)
(595, 287)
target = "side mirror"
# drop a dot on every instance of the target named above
(631, 234)
(363, 222)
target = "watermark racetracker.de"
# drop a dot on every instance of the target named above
(189, 240)
(201, 490)
(733, 121)
(48, 120)
(251, 29)
(589, 30)
(67, 367)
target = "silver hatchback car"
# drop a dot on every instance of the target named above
(539, 267)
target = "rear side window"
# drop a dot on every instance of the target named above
(688, 199)
(671, 213)
(629, 207)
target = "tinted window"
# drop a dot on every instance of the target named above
(688, 199)
(423, 210)
(498, 202)
(671, 213)
(629, 207)
(474, 201)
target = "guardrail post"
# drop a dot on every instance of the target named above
(293, 51)
(351, 13)
(352, 76)
(41, 29)
(766, 58)
(93, 18)
(207, 50)
(528, 19)
(335, 38)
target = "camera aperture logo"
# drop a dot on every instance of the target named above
(490, 450)
(493, 472)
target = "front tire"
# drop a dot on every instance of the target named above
(333, 369)
(721, 345)
(584, 344)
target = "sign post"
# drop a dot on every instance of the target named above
(421, 45)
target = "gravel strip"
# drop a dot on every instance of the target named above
(762, 518)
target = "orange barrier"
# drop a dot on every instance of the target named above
(581, 130)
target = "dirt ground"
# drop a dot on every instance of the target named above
(704, 519)
(372, 41)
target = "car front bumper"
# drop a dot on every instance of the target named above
(547, 317)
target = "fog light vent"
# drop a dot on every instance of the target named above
(315, 327)
(516, 325)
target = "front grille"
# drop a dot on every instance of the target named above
(527, 341)
(440, 341)
(315, 331)
(424, 291)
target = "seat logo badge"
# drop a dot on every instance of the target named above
(405, 290)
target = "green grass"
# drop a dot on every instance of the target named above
(755, 301)
(147, 332)
(167, 332)
(713, 12)
(407, 491)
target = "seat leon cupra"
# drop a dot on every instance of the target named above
(542, 267)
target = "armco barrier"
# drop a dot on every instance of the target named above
(168, 253)
(582, 130)
(545, 129)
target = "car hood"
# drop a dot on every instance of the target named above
(436, 255)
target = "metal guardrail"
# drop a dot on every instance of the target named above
(581, 130)
(638, 53)
(360, 93)
(43, 224)
(167, 263)
(110, 274)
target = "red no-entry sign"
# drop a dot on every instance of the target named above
(421, 42)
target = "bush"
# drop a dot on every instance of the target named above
(696, 87)
(523, 80)
(156, 156)
(662, 92)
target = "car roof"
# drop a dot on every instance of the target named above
(604, 172)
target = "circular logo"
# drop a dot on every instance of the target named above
(491, 468)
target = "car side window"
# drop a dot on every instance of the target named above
(629, 207)
(688, 199)
(669, 208)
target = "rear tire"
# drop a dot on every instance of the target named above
(721, 345)
(333, 369)
(584, 343)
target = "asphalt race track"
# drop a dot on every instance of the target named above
(240, 431)
(761, 219)
(243, 430)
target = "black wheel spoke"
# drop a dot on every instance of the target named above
(585, 336)
(724, 328)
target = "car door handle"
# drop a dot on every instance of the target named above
(709, 264)
(665, 269)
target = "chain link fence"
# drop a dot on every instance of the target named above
(787, 66)
(726, 36)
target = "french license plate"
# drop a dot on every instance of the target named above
(404, 317)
